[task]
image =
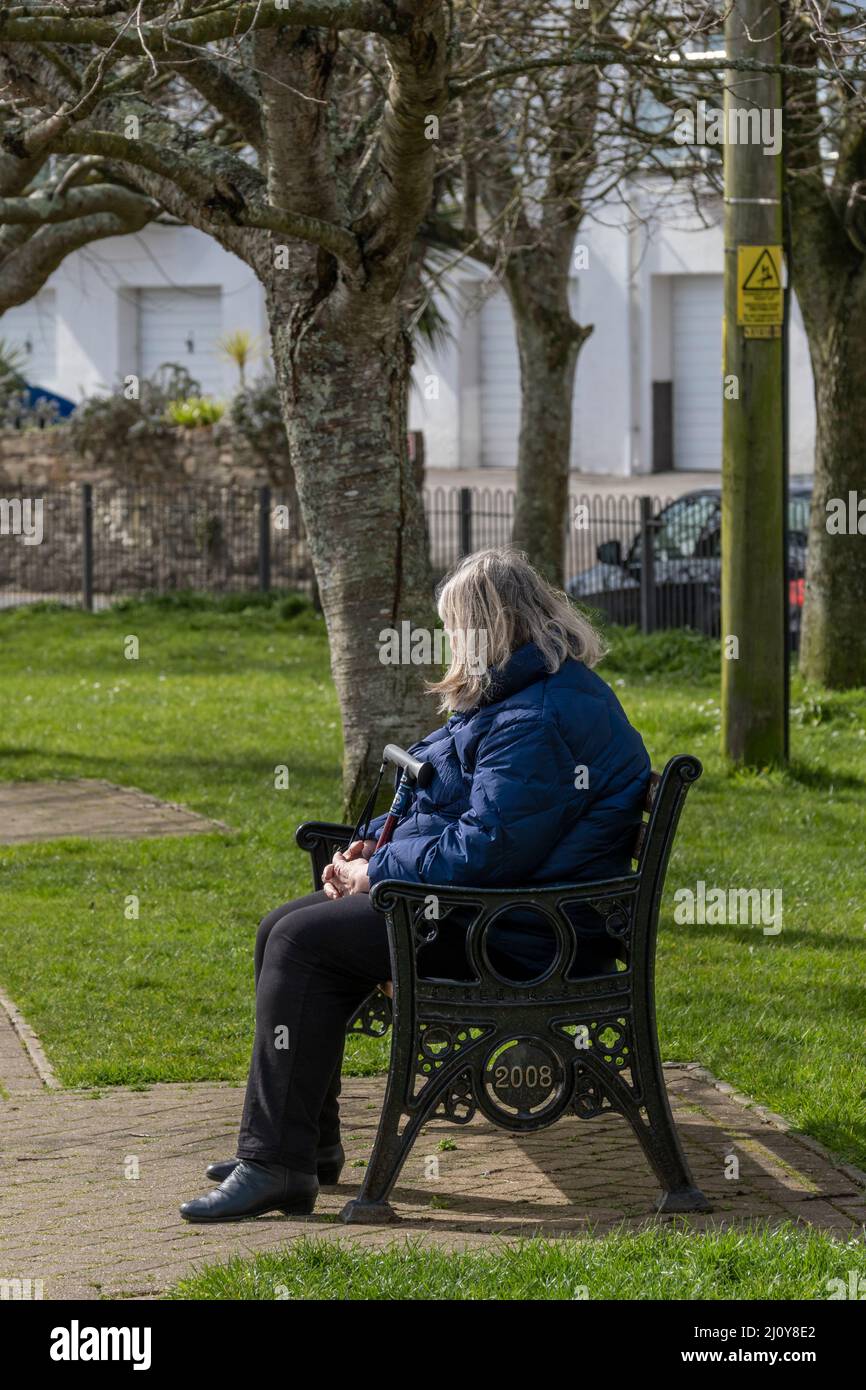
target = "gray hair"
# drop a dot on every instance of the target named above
(498, 593)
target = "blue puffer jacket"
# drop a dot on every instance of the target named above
(503, 809)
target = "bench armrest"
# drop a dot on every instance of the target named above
(314, 831)
(320, 838)
(403, 902)
(385, 895)
(390, 895)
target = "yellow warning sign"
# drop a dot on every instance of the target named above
(760, 304)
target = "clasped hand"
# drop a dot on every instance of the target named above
(347, 872)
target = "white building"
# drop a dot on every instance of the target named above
(648, 392)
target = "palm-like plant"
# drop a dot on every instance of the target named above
(239, 347)
(13, 360)
(13, 383)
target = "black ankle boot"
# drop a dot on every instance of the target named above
(252, 1189)
(329, 1166)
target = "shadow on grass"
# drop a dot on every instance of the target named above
(744, 935)
(823, 779)
(301, 766)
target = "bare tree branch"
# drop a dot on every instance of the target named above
(24, 271)
(41, 209)
(407, 153)
(43, 24)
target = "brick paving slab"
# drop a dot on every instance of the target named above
(23, 1064)
(70, 1215)
(91, 807)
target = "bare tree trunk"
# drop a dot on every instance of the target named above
(343, 365)
(327, 222)
(344, 388)
(834, 620)
(828, 268)
(548, 342)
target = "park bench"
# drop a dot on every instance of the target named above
(525, 1052)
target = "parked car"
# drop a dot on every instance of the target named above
(686, 545)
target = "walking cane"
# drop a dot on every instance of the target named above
(414, 773)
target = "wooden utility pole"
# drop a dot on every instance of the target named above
(753, 560)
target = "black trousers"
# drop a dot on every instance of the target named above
(316, 960)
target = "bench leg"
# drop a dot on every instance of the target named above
(684, 1200)
(371, 1206)
(661, 1144)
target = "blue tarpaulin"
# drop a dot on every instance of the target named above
(35, 394)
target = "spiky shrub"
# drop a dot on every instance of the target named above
(110, 428)
(16, 409)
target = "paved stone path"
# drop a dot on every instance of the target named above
(32, 811)
(90, 1183)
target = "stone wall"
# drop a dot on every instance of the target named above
(44, 458)
(181, 515)
(190, 518)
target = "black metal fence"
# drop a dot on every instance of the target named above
(629, 557)
(99, 542)
(648, 561)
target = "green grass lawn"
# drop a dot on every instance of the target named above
(661, 1263)
(220, 696)
(223, 693)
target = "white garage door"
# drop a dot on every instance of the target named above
(500, 384)
(182, 326)
(31, 329)
(697, 371)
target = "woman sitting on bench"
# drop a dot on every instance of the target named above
(539, 778)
